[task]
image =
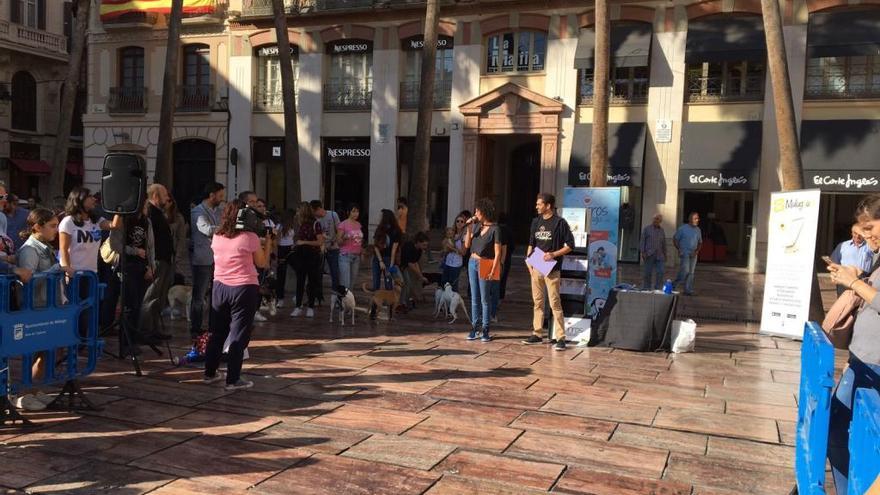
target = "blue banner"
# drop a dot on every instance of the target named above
(603, 203)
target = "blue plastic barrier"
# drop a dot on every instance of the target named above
(864, 442)
(814, 410)
(53, 329)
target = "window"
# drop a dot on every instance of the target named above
(24, 101)
(741, 80)
(196, 65)
(268, 95)
(522, 51)
(31, 13)
(409, 86)
(131, 67)
(350, 76)
(628, 85)
(843, 77)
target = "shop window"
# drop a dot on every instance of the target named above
(268, 95)
(843, 77)
(742, 80)
(128, 97)
(349, 85)
(522, 51)
(411, 81)
(629, 85)
(24, 101)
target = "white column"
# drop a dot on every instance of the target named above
(240, 108)
(309, 112)
(383, 132)
(465, 87)
(561, 81)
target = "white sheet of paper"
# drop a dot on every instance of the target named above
(536, 261)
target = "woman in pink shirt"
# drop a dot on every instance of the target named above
(236, 294)
(351, 234)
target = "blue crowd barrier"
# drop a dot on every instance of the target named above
(864, 442)
(814, 410)
(52, 329)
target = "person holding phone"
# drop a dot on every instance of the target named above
(482, 237)
(852, 252)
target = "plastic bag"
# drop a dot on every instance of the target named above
(684, 335)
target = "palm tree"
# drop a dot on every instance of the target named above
(288, 89)
(418, 186)
(601, 77)
(68, 98)
(164, 168)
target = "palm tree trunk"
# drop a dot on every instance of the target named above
(288, 88)
(601, 77)
(164, 173)
(418, 186)
(786, 126)
(68, 98)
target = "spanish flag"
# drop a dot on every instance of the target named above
(115, 8)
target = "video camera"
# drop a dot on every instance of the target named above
(250, 220)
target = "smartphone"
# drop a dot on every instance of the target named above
(828, 260)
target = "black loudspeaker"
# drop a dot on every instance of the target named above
(123, 183)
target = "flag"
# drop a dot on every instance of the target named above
(111, 9)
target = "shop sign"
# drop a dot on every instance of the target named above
(276, 151)
(348, 152)
(843, 181)
(341, 47)
(272, 51)
(417, 42)
(793, 223)
(613, 178)
(715, 179)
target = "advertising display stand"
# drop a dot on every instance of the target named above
(573, 289)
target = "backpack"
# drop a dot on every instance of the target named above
(112, 247)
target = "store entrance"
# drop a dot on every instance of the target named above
(510, 174)
(347, 177)
(836, 216)
(727, 222)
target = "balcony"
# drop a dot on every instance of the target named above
(195, 98)
(127, 100)
(630, 93)
(841, 89)
(263, 8)
(132, 20)
(219, 14)
(348, 96)
(33, 38)
(270, 101)
(409, 94)
(721, 90)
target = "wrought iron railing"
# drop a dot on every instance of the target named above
(270, 100)
(632, 93)
(353, 95)
(195, 98)
(263, 8)
(842, 90)
(127, 100)
(720, 89)
(132, 18)
(409, 94)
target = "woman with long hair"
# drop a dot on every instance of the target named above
(286, 233)
(482, 238)
(309, 241)
(864, 350)
(386, 243)
(235, 295)
(140, 266)
(351, 241)
(454, 252)
(79, 238)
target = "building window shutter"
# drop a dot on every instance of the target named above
(15, 11)
(41, 14)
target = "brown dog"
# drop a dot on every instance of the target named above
(384, 297)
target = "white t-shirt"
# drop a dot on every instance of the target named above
(85, 242)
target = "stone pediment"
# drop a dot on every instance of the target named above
(511, 99)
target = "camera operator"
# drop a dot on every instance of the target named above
(236, 295)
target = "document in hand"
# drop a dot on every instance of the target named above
(536, 261)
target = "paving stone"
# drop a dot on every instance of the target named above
(644, 436)
(140, 411)
(401, 451)
(602, 409)
(730, 425)
(396, 401)
(219, 423)
(369, 419)
(308, 436)
(530, 474)
(458, 431)
(499, 416)
(580, 481)
(560, 424)
(744, 450)
(98, 478)
(25, 466)
(491, 395)
(727, 474)
(770, 411)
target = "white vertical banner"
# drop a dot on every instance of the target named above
(791, 247)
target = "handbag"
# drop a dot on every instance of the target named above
(840, 319)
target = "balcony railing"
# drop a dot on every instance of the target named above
(409, 94)
(619, 94)
(263, 8)
(348, 96)
(195, 98)
(33, 38)
(132, 19)
(270, 100)
(719, 89)
(844, 90)
(127, 100)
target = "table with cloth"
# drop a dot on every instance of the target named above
(635, 320)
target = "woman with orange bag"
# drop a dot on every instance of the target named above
(484, 268)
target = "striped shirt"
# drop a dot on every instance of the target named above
(653, 242)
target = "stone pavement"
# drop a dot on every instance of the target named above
(410, 407)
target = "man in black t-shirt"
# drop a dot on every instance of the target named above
(157, 292)
(552, 235)
(412, 272)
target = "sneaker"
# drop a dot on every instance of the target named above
(44, 398)
(259, 317)
(279, 303)
(473, 335)
(310, 313)
(494, 319)
(485, 337)
(560, 345)
(29, 403)
(208, 380)
(239, 385)
(552, 342)
(532, 340)
(296, 312)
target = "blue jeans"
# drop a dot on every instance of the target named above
(377, 275)
(331, 256)
(348, 269)
(857, 375)
(203, 277)
(450, 274)
(686, 272)
(653, 265)
(481, 296)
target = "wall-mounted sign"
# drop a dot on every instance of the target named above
(272, 51)
(741, 180)
(835, 180)
(418, 42)
(614, 177)
(340, 151)
(341, 47)
(276, 151)
(663, 131)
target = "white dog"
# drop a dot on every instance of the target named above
(451, 301)
(342, 300)
(180, 295)
(441, 302)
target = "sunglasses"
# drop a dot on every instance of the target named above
(459, 221)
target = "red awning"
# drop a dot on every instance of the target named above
(75, 168)
(35, 167)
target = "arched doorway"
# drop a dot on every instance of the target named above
(194, 167)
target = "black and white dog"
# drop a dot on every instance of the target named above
(342, 300)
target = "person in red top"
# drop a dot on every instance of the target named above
(235, 294)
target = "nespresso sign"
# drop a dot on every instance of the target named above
(414, 43)
(348, 152)
(272, 51)
(341, 47)
(829, 180)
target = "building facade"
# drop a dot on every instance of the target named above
(691, 118)
(34, 42)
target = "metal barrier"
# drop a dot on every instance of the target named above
(64, 336)
(864, 442)
(814, 410)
